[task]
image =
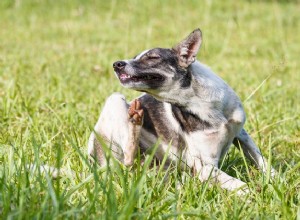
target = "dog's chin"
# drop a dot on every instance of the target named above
(141, 82)
(138, 86)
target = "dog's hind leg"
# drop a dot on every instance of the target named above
(119, 125)
(251, 151)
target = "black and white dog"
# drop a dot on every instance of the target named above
(193, 114)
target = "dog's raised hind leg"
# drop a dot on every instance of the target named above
(119, 125)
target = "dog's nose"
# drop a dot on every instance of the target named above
(119, 65)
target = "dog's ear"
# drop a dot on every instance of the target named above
(188, 48)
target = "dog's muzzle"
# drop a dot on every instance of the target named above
(129, 78)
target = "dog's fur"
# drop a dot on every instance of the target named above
(185, 106)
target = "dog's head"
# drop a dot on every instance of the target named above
(159, 70)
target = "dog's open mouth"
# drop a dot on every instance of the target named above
(124, 77)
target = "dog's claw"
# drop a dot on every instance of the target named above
(137, 104)
(140, 112)
(136, 113)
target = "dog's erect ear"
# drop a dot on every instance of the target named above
(188, 48)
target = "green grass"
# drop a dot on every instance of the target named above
(56, 71)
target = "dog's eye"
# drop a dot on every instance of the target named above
(152, 56)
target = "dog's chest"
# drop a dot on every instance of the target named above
(188, 122)
(180, 133)
(172, 124)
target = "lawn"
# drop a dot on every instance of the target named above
(56, 72)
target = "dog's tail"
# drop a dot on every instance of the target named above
(252, 152)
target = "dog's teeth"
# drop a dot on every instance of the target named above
(125, 76)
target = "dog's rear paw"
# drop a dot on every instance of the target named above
(136, 113)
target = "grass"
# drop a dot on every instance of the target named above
(56, 71)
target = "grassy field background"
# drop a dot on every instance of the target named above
(56, 71)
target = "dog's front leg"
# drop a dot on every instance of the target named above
(203, 154)
(212, 173)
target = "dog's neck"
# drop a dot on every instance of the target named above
(205, 87)
(204, 95)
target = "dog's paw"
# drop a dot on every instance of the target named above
(136, 113)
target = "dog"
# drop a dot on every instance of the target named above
(191, 112)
